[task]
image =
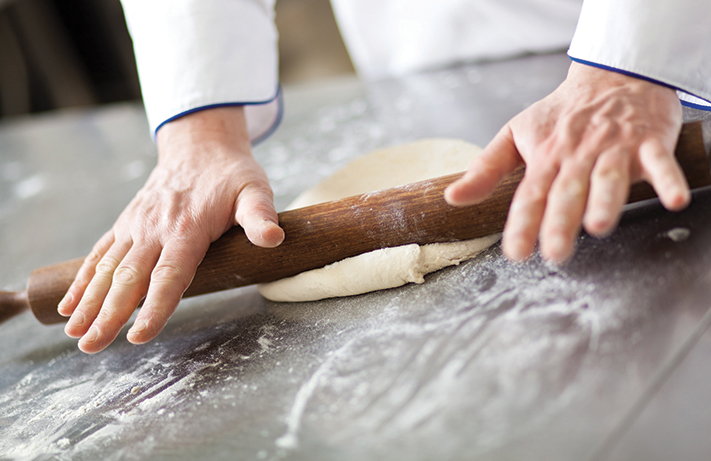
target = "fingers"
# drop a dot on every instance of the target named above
(564, 211)
(594, 132)
(661, 170)
(526, 212)
(86, 272)
(204, 181)
(121, 282)
(171, 277)
(120, 272)
(498, 159)
(591, 194)
(609, 189)
(257, 215)
(128, 286)
(96, 291)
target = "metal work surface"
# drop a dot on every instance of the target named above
(603, 358)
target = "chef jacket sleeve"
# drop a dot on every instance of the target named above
(665, 41)
(199, 54)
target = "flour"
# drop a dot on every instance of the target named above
(678, 234)
(430, 353)
(68, 416)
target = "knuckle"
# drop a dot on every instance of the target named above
(186, 219)
(609, 175)
(167, 273)
(82, 280)
(261, 187)
(521, 225)
(259, 191)
(573, 189)
(557, 227)
(109, 322)
(106, 266)
(127, 275)
(94, 257)
(261, 208)
(654, 151)
(90, 302)
(574, 123)
(560, 224)
(535, 193)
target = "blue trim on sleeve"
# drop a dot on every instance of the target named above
(229, 104)
(620, 71)
(642, 77)
(694, 105)
(277, 121)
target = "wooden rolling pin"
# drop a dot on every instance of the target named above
(322, 234)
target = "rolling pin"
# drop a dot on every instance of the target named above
(322, 234)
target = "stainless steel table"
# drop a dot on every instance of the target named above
(604, 358)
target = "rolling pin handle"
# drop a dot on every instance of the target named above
(12, 303)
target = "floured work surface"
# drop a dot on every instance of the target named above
(505, 362)
(491, 360)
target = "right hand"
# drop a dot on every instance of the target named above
(583, 145)
(205, 182)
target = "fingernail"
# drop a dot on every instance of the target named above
(277, 233)
(67, 299)
(450, 196)
(77, 319)
(452, 187)
(91, 336)
(139, 326)
(268, 224)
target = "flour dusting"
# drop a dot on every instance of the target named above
(678, 234)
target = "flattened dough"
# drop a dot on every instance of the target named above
(387, 267)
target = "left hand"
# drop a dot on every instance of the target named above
(583, 145)
(205, 182)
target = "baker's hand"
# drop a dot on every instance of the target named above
(205, 182)
(583, 145)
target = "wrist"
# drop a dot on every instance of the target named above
(587, 73)
(208, 131)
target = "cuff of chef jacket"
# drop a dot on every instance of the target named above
(667, 42)
(263, 117)
(194, 55)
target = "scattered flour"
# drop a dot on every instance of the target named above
(678, 234)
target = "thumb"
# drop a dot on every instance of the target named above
(256, 214)
(499, 158)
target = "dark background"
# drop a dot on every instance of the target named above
(69, 53)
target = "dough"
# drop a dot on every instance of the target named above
(387, 267)
(375, 270)
(392, 167)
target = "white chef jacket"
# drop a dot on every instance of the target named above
(198, 54)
